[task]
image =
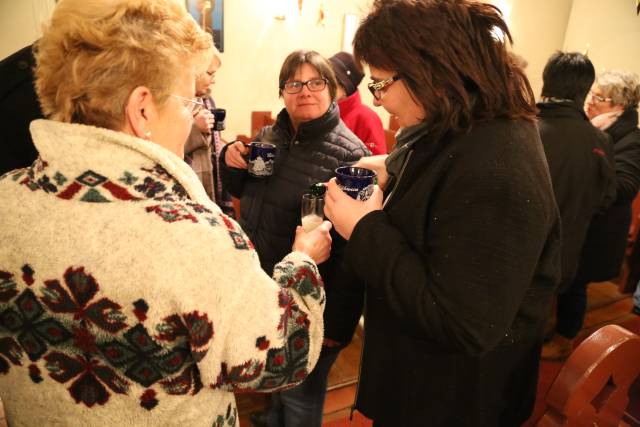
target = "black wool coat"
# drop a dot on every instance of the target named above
(460, 267)
(606, 241)
(581, 164)
(19, 105)
(270, 207)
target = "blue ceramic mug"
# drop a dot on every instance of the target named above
(262, 156)
(219, 114)
(356, 182)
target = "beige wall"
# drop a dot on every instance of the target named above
(612, 30)
(538, 29)
(20, 22)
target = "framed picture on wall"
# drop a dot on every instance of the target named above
(349, 27)
(209, 14)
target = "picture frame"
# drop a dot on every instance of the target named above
(209, 14)
(349, 27)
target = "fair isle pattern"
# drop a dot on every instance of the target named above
(93, 187)
(86, 342)
(148, 183)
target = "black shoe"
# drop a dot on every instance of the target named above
(258, 419)
(636, 310)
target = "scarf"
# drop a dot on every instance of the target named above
(605, 120)
(406, 138)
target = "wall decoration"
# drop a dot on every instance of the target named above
(350, 25)
(209, 15)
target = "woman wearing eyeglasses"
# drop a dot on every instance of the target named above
(612, 106)
(460, 254)
(204, 145)
(312, 142)
(126, 296)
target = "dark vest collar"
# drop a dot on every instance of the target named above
(310, 131)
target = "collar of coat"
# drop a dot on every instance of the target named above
(560, 109)
(311, 131)
(627, 122)
(90, 164)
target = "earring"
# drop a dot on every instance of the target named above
(147, 135)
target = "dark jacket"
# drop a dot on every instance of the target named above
(606, 240)
(581, 164)
(270, 207)
(460, 268)
(18, 107)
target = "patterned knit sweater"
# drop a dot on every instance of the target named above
(127, 298)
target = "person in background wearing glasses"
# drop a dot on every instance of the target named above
(581, 164)
(311, 143)
(460, 255)
(204, 145)
(362, 120)
(612, 106)
(127, 297)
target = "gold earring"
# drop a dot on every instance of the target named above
(147, 135)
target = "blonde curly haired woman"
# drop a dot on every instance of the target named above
(126, 296)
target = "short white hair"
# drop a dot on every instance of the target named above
(623, 87)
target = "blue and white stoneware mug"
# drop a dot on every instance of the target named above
(356, 182)
(262, 156)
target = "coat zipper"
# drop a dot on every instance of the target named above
(364, 309)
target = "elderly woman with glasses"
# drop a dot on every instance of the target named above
(460, 254)
(311, 143)
(126, 296)
(612, 106)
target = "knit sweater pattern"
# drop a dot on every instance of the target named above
(128, 298)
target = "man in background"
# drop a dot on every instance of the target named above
(18, 107)
(580, 159)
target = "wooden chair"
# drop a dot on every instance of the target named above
(394, 125)
(592, 388)
(390, 139)
(259, 119)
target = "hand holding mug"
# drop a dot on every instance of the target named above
(376, 164)
(316, 243)
(235, 155)
(344, 211)
(203, 120)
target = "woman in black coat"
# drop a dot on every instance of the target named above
(461, 254)
(612, 107)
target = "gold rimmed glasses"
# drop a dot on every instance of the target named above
(376, 88)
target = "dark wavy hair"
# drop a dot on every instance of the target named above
(569, 76)
(453, 57)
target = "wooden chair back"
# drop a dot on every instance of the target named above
(394, 125)
(260, 119)
(390, 139)
(592, 388)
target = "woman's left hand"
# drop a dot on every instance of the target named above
(345, 212)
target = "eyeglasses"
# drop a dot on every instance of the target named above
(598, 98)
(314, 85)
(376, 88)
(191, 104)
